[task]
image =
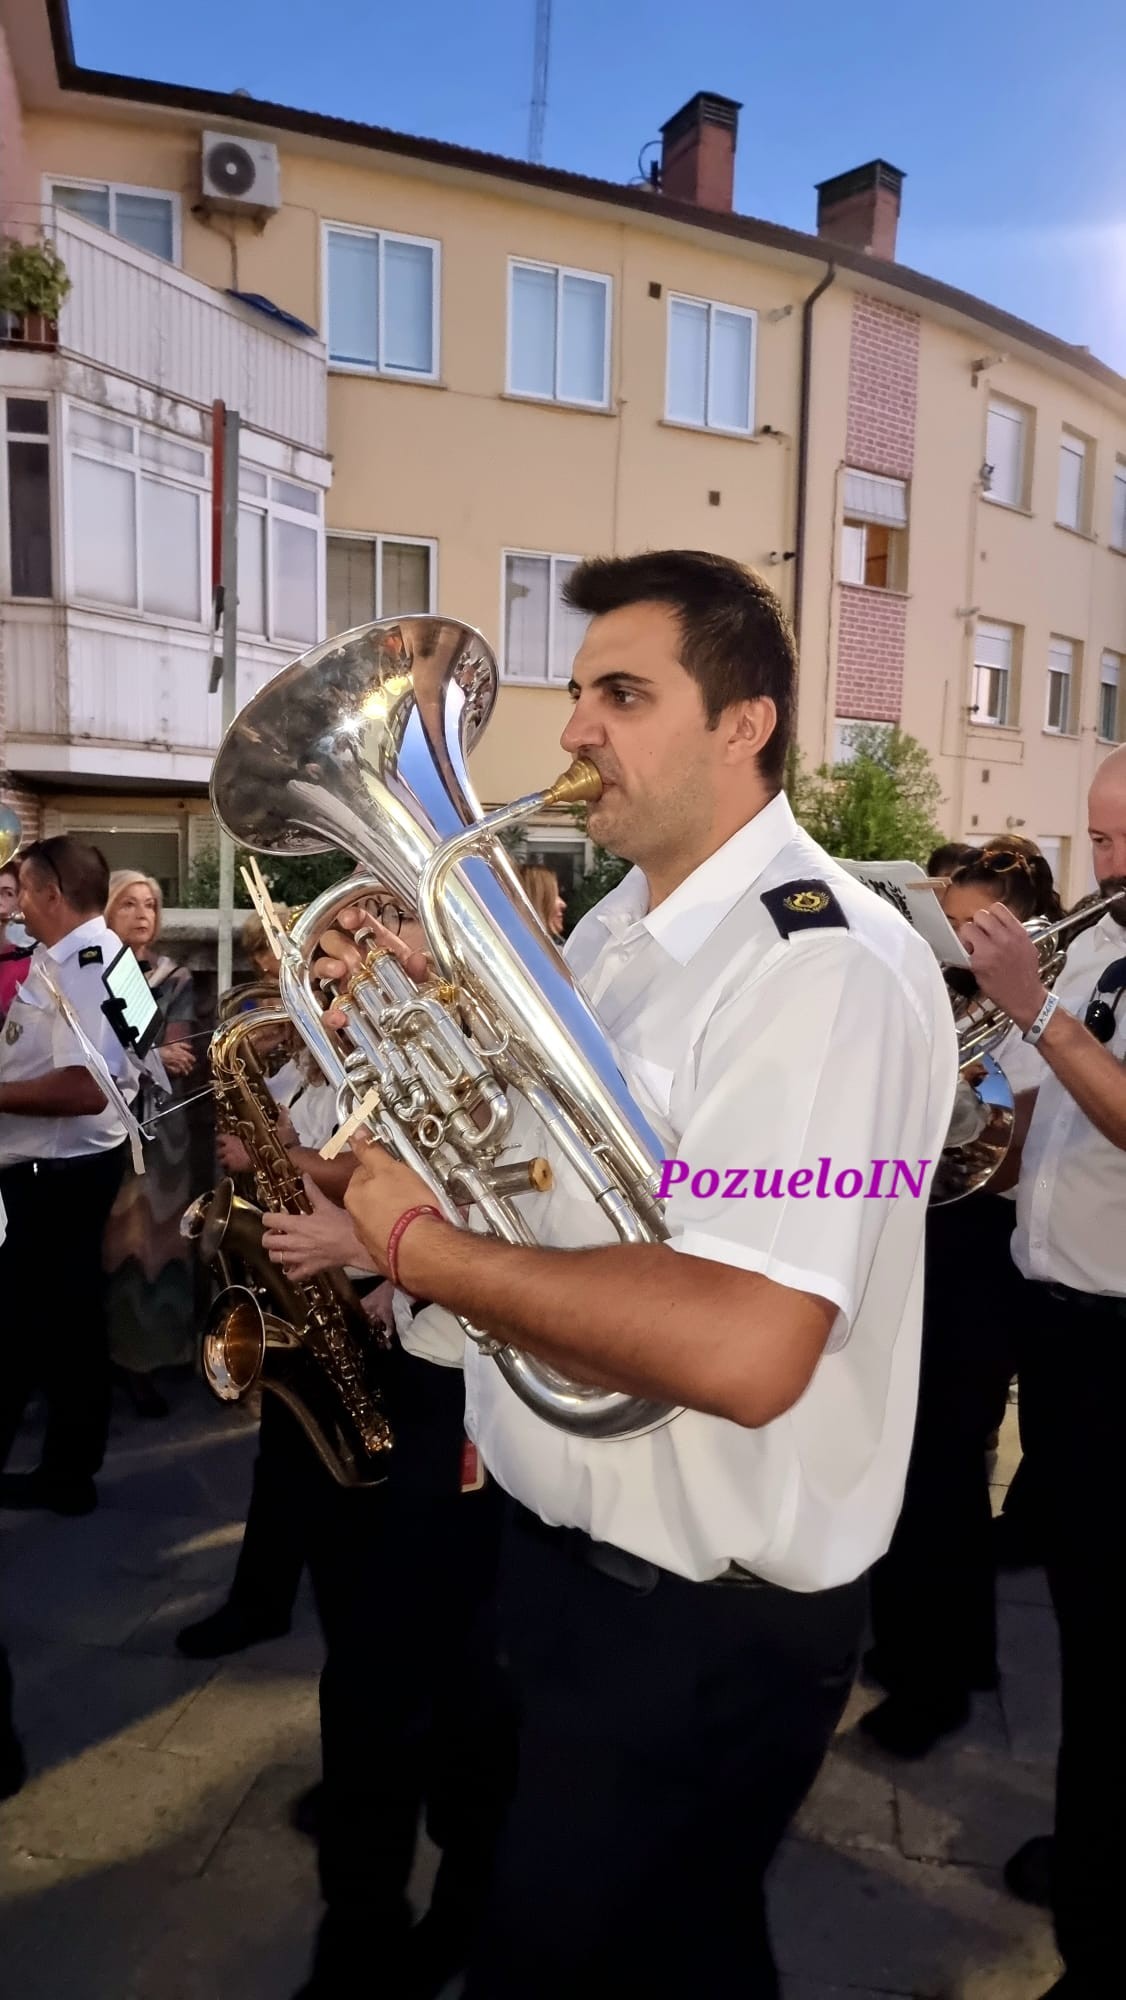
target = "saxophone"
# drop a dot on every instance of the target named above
(308, 1342)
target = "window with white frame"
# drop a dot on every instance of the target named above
(1071, 500)
(136, 501)
(1006, 471)
(711, 366)
(874, 536)
(1110, 680)
(1118, 508)
(541, 633)
(25, 487)
(381, 301)
(1061, 676)
(559, 334)
(141, 216)
(279, 558)
(377, 576)
(994, 700)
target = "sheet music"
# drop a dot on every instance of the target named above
(898, 883)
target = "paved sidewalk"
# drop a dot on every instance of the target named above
(149, 1857)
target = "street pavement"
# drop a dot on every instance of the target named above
(150, 1855)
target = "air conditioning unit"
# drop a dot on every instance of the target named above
(241, 176)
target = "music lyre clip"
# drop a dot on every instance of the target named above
(259, 894)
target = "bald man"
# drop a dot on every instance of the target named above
(1070, 1241)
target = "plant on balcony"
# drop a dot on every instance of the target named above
(33, 285)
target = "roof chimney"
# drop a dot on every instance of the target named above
(698, 151)
(861, 208)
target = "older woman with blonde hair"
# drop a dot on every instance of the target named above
(151, 1279)
(541, 886)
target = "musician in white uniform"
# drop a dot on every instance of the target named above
(1071, 1243)
(62, 1155)
(682, 1609)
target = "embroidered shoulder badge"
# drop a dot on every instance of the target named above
(12, 1032)
(804, 906)
(91, 954)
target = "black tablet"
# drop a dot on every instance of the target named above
(131, 1010)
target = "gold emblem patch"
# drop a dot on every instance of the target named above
(807, 902)
(12, 1033)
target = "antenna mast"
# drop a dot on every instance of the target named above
(540, 62)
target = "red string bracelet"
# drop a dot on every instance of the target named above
(408, 1216)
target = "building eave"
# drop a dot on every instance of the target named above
(912, 289)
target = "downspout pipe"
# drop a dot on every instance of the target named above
(803, 444)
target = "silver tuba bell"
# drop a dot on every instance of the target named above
(361, 745)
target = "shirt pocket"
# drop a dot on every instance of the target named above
(651, 1084)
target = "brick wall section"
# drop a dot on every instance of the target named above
(870, 641)
(882, 393)
(883, 373)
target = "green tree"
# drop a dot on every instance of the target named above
(881, 804)
(293, 879)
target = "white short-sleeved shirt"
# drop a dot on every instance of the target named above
(35, 1040)
(1071, 1196)
(747, 1048)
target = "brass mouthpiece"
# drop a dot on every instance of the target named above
(579, 785)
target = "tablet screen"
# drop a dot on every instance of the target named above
(131, 1007)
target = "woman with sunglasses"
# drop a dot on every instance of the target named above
(933, 1594)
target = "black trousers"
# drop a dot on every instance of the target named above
(666, 1736)
(934, 1616)
(289, 1493)
(413, 1710)
(1073, 1379)
(54, 1335)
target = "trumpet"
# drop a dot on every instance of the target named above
(983, 1119)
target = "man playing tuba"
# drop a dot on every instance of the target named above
(682, 1608)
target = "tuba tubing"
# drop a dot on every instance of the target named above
(361, 745)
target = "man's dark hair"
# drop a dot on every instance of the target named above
(736, 641)
(952, 854)
(81, 872)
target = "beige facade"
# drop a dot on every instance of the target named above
(468, 479)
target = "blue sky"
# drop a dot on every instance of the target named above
(1006, 117)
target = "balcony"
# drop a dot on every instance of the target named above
(137, 316)
(91, 695)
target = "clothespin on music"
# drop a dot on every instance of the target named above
(260, 896)
(366, 1107)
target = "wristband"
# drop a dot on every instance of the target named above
(1032, 1035)
(408, 1216)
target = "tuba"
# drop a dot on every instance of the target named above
(361, 745)
(981, 1127)
(308, 1342)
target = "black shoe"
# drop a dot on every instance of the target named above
(13, 1769)
(1013, 1546)
(433, 1957)
(875, 1666)
(228, 1630)
(1028, 1872)
(910, 1727)
(305, 1812)
(25, 1490)
(142, 1393)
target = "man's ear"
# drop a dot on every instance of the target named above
(752, 725)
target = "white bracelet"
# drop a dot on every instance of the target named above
(1033, 1034)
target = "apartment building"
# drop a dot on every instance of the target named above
(520, 367)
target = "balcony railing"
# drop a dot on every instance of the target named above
(134, 314)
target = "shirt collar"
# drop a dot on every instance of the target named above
(91, 932)
(684, 922)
